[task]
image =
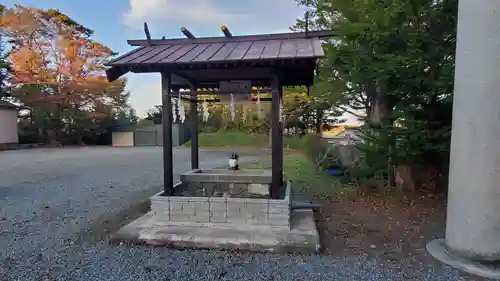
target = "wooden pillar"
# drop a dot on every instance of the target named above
(277, 138)
(168, 168)
(193, 117)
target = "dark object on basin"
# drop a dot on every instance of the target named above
(336, 172)
(233, 162)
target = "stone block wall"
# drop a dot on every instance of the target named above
(222, 212)
(236, 190)
(226, 183)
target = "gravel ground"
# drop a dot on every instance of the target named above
(49, 195)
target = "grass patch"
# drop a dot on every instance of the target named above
(228, 139)
(298, 168)
(305, 179)
(293, 143)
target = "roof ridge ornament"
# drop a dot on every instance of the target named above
(187, 33)
(190, 38)
(226, 31)
(148, 35)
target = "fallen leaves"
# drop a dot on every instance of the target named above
(373, 225)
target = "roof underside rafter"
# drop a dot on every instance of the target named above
(206, 61)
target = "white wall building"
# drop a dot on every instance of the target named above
(9, 133)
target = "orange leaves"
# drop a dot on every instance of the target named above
(20, 22)
(87, 84)
(69, 59)
(26, 65)
(81, 57)
(52, 50)
(69, 47)
(98, 49)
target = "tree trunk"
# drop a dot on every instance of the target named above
(42, 135)
(319, 119)
(51, 137)
(381, 108)
(403, 177)
(380, 116)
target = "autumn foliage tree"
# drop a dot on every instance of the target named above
(58, 71)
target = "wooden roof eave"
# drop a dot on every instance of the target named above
(288, 64)
(168, 55)
(115, 72)
(226, 63)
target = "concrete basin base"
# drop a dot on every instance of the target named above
(301, 237)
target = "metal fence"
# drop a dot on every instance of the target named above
(152, 135)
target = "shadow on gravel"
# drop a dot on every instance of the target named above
(107, 224)
(100, 228)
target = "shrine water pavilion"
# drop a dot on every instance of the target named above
(225, 208)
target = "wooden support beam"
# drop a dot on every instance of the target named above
(168, 168)
(193, 118)
(277, 138)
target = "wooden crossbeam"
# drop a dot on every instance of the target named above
(189, 99)
(217, 92)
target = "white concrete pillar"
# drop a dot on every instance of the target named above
(473, 215)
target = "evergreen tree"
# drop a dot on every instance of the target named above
(392, 63)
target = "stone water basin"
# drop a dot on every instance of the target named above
(224, 198)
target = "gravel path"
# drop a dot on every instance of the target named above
(49, 195)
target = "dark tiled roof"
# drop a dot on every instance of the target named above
(8, 105)
(222, 49)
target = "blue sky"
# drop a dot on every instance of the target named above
(115, 21)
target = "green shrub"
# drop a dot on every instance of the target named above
(320, 152)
